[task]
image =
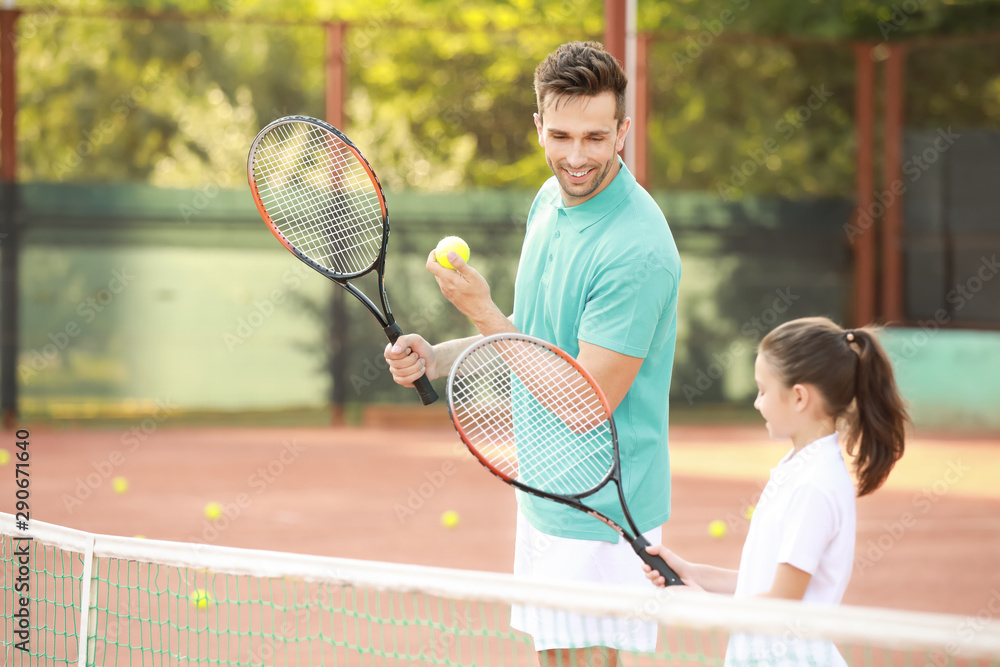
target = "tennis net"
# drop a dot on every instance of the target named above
(115, 601)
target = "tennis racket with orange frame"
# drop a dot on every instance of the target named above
(321, 199)
(535, 418)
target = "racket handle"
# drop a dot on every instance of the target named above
(421, 384)
(656, 562)
(426, 391)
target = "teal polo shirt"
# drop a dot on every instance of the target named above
(606, 272)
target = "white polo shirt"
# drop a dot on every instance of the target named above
(805, 517)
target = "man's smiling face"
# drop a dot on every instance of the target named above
(581, 138)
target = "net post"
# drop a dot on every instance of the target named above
(87, 591)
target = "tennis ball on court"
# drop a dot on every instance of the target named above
(449, 519)
(4, 457)
(748, 513)
(717, 528)
(200, 598)
(448, 244)
(119, 484)
(213, 511)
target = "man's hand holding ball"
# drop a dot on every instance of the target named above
(449, 244)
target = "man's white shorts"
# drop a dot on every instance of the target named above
(548, 558)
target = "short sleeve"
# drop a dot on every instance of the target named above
(625, 305)
(809, 525)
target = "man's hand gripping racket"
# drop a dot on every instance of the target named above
(322, 200)
(537, 420)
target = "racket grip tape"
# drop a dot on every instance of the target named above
(656, 562)
(421, 384)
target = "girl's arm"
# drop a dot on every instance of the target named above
(694, 575)
(716, 579)
(789, 583)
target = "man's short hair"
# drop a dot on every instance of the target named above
(579, 69)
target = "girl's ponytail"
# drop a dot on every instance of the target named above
(877, 425)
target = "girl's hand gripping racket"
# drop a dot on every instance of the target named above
(537, 420)
(322, 200)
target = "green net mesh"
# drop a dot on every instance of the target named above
(159, 603)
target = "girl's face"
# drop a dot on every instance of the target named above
(775, 402)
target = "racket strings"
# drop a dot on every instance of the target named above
(330, 222)
(533, 417)
(339, 169)
(320, 197)
(326, 223)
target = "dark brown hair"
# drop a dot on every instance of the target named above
(853, 373)
(580, 69)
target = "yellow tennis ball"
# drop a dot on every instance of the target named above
(119, 484)
(717, 528)
(213, 511)
(446, 245)
(200, 598)
(748, 513)
(449, 519)
(4, 457)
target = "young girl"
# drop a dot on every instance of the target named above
(811, 377)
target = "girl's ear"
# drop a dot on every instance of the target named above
(801, 397)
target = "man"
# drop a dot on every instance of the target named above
(598, 277)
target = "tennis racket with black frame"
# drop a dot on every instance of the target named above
(536, 419)
(321, 199)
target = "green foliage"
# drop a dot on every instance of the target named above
(440, 94)
(742, 119)
(876, 20)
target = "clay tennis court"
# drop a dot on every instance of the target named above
(929, 540)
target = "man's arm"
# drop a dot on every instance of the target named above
(470, 293)
(412, 356)
(613, 372)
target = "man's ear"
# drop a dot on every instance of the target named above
(622, 133)
(538, 126)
